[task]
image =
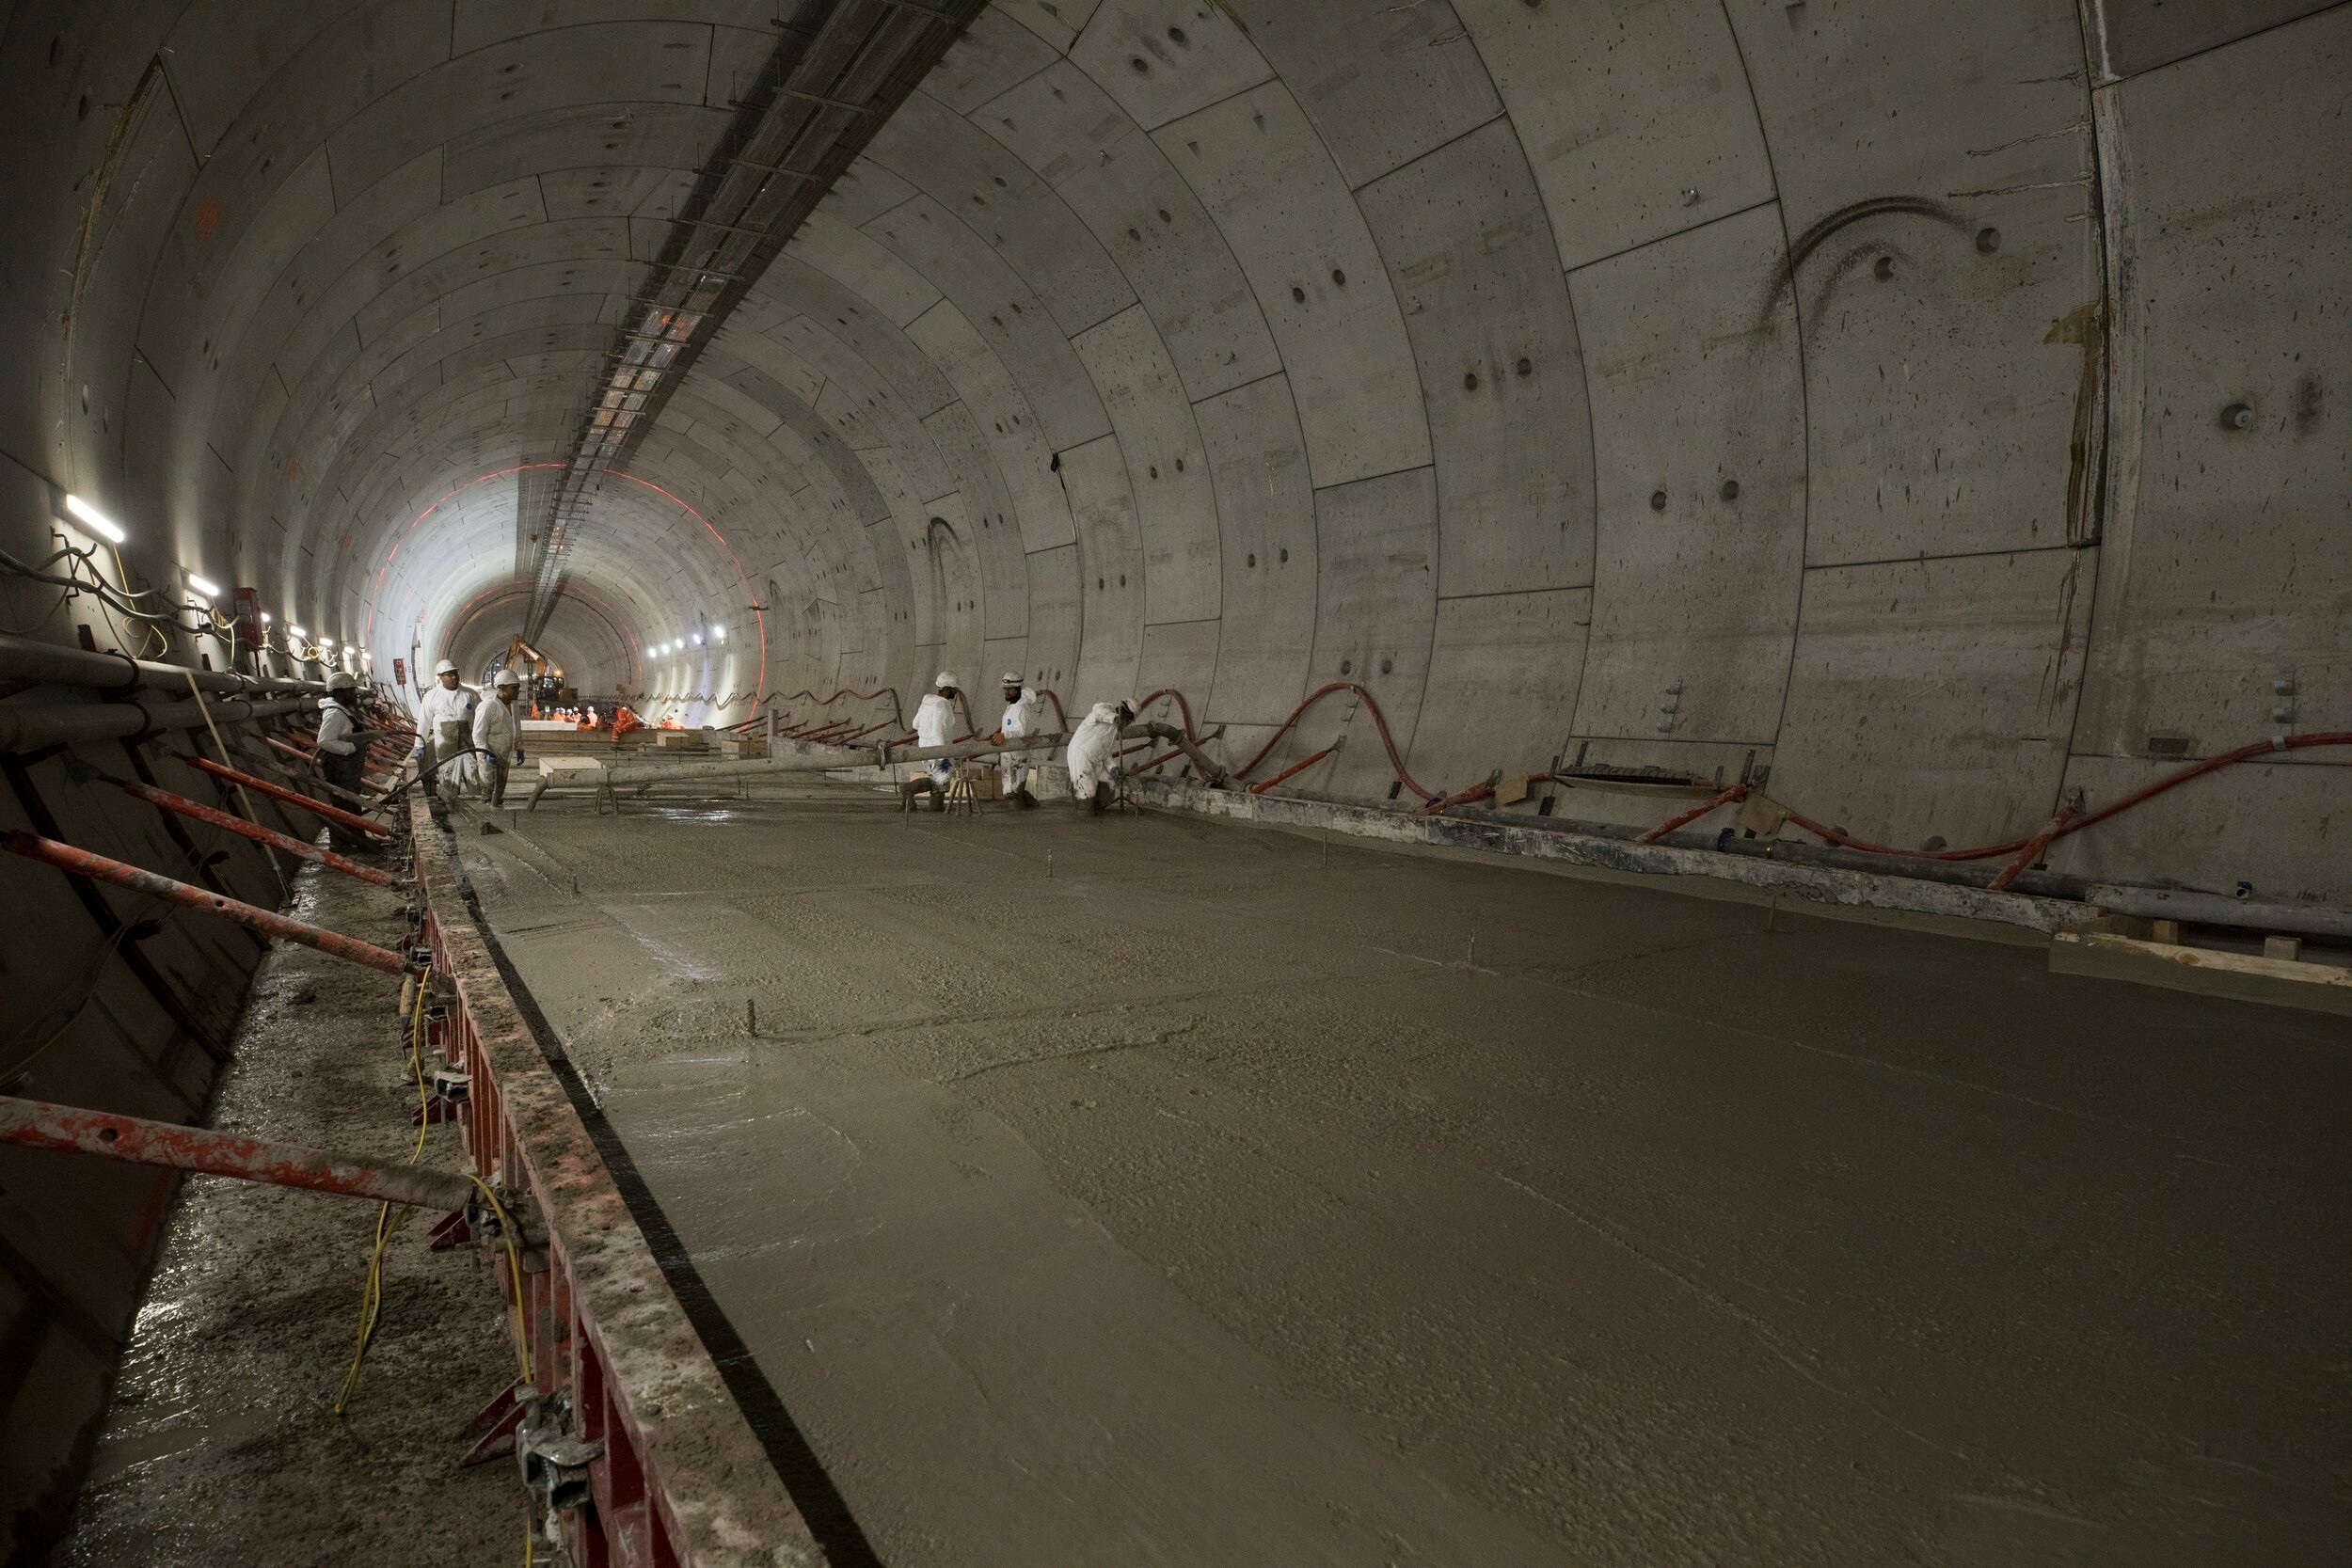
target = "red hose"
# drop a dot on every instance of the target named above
(1378, 718)
(1737, 792)
(1183, 708)
(2038, 840)
(1299, 766)
(1987, 851)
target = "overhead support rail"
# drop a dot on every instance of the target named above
(28, 726)
(24, 659)
(811, 108)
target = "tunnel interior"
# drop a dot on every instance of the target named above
(1929, 419)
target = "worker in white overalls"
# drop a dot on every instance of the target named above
(444, 729)
(497, 731)
(1094, 755)
(934, 726)
(1025, 715)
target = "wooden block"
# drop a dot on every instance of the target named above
(2165, 931)
(1511, 789)
(2321, 988)
(1762, 816)
(2285, 949)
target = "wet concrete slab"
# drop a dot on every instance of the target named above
(1155, 1191)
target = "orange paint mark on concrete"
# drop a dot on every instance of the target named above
(207, 219)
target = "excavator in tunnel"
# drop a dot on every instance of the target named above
(1175, 782)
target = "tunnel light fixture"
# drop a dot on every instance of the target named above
(698, 639)
(95, 520)
(204, 586)
(297, 631)
(265, 617)
(718, 634)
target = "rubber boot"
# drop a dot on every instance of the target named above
(1102, 799)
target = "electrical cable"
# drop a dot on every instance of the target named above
(386, 1224)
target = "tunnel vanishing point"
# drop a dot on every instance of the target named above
(1723, 924)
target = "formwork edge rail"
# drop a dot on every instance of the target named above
(681, 1478)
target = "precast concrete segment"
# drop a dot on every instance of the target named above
(1150, 1190)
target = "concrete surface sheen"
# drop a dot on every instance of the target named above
(1229, 1197)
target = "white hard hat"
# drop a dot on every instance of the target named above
(1013, 677)
(342, 680)
(506, 677)
(944, 680)
(447, 667)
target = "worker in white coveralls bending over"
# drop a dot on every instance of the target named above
(934, 725)
(497, 729)
(444, 723)
(1025, 715)
(1094, 752)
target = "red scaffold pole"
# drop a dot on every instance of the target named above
(81, 862)
(259, 834)
(317, 808)
(34, 1124)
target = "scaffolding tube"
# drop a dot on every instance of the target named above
(81, 862)
(66, 1129)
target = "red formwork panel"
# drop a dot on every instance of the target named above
(668, 1472)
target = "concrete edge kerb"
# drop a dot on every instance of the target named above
(1804, 883)
(702, 1460)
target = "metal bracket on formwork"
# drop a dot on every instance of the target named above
(447, 1090)
(494, 1425)
(553, 1457)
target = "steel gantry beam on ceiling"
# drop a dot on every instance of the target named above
(839, 69)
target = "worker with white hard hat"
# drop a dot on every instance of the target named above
(1094, 752)
(498, 730)
(343, 758)
(1025, 715)
(444, 725)
(934, 725)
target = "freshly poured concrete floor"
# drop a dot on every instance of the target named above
(1212, 1198)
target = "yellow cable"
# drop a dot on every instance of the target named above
(387, 1226)
(515, 1270)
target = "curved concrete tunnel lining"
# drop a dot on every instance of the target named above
(1937, 417)
(1149, 311)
